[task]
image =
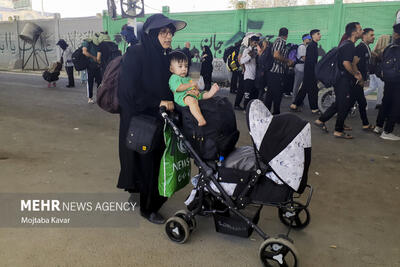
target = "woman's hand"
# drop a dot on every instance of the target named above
(169, 105)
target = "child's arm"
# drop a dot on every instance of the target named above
(185, 86)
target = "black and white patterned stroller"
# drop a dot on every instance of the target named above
(272, 172)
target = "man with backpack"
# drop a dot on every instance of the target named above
(344, 82)
(231, 60)
(309, 81)
(299, 67)
(90, 50)
(277, 72)
(107, 51)
(390, 109)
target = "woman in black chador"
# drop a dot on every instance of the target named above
(143, 89)
(206, 67)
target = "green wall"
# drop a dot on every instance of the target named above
(219, 29)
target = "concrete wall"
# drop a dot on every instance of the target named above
(72, 30)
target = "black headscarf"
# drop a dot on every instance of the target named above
(143, 84)
(62, 44)
(208, 52)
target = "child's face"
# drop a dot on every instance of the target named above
(179, 68)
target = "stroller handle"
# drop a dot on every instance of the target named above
(163, 111)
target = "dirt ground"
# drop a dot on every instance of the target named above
(52, 141)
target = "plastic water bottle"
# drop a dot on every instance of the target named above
(221, 161)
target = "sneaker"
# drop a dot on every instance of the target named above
(390, 136)
(287, 95)
(378, 130)
(90, 101)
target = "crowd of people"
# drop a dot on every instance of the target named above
(263, 69)
(260, 69)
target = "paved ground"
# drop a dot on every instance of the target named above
(355, 213)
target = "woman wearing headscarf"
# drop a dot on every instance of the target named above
(206, 67)
(66, 57)
(143, 89)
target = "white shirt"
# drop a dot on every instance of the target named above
(301, 52)
(67, 57)
(249, 64)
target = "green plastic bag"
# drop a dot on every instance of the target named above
(175, 165)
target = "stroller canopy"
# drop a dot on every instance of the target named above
(283, 142)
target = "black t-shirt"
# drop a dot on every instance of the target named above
(364, 54)
(346, 52)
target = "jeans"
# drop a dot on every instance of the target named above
(390, 110)
(298, 79)
(94, 74)
(274, 92)
(341, 105)
(357, 95)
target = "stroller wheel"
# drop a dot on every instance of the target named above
(185, 216)
(295, 215)
(177, 229)
(278, 252)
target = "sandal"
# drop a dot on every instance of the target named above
(343, 135)
(295, 109)
(368, 128)
(316, 112)
(322, 126)
(347, 128)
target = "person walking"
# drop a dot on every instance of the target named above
(346, 53)
(235, 73)
(248, 59)
(66, 58)
(361, 63)
(276, 74)
(263, 66)
(107, 51)
(299, 67)
(143, 88)
(309, 86)
(90, 50)
(389, 112)
(206, 67)
(186, 51)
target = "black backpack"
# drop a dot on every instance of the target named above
(327, 69)
(219, 136)
(81, 62)
(391, 63)
(232, 61)
(227, 52)
(111, 53)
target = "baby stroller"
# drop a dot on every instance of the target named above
(51, 74)
(272, 172)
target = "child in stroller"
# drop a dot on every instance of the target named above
(273, 172)
(51, 74)
(186, 92)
